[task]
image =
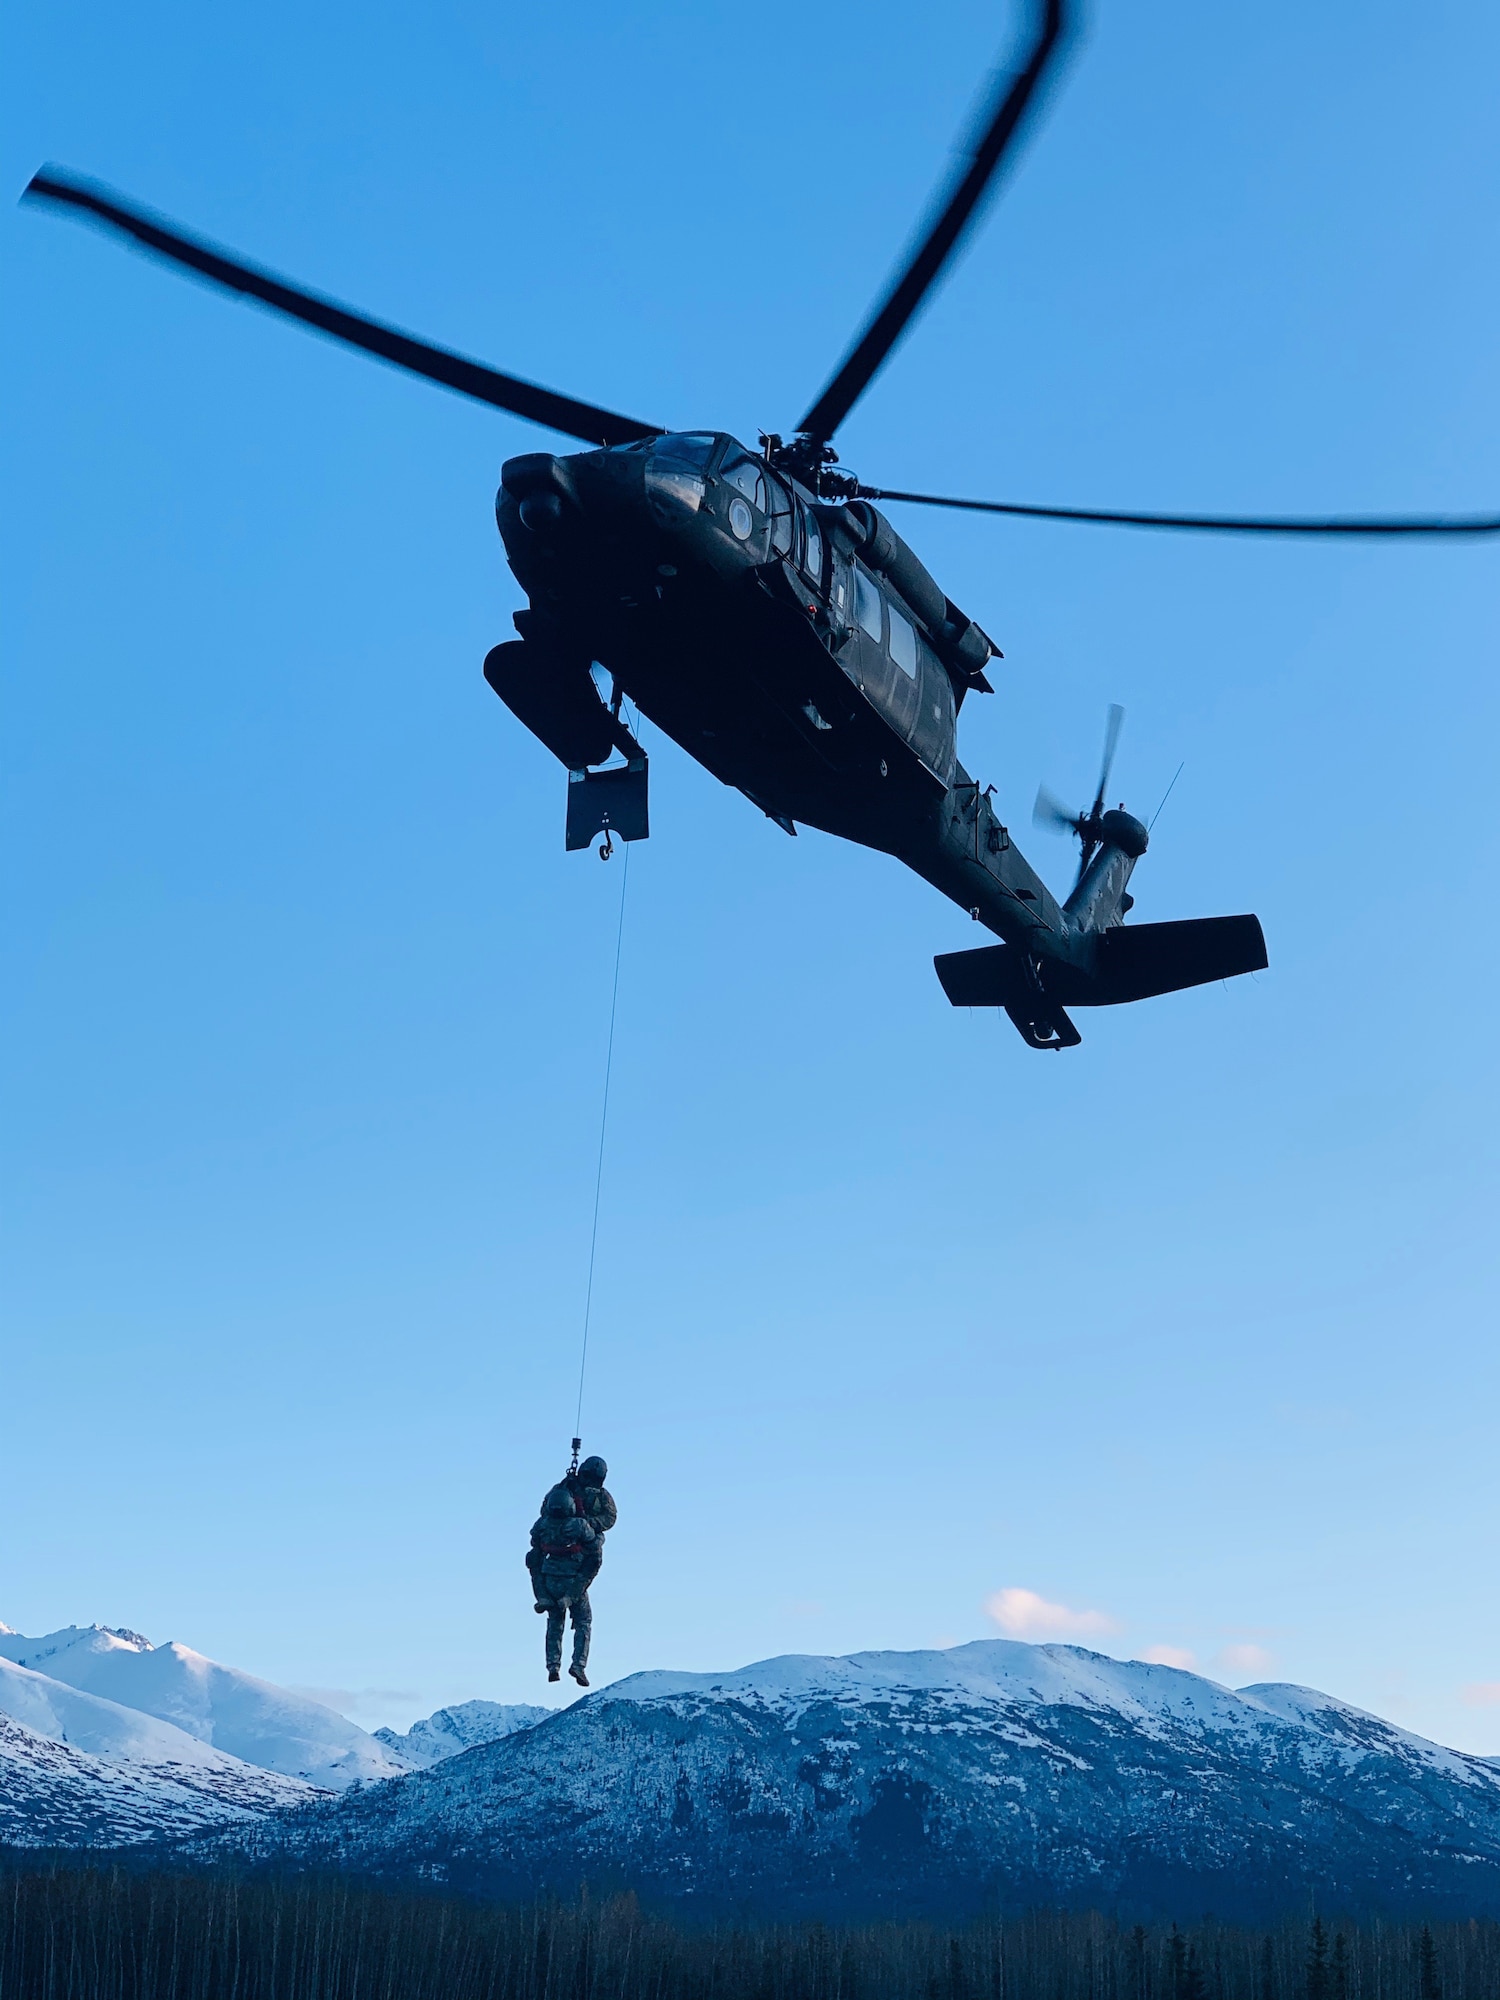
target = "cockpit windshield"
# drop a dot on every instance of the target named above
(686, 447)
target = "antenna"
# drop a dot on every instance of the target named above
(1167, 794)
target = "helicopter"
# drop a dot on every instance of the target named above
(759, 609)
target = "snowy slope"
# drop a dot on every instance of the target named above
(99, 1727)
(52, 1795)
(936, 1783)
(451, 1730)
(77, 1770)
(234, 1712)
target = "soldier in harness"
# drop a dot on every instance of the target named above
(567, 1549)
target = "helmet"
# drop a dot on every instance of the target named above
(558, 1501)
(593, 1472)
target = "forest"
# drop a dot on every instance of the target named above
(111, 1933)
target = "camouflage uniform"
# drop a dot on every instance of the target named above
(595, 1503)
(562, 1565)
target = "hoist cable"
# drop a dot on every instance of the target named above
(609, 1062)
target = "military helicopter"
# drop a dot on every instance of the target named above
(758, 608)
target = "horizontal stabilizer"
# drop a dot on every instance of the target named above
(1137, 961)
(1128, 962)
(993, 976)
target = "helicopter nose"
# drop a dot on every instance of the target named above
(540, 487)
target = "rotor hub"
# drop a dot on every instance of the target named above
(810, 461)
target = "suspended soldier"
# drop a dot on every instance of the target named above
(567, 1549)
(563, 1560)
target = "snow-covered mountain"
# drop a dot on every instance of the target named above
(101, 1728)
(449, 1731)
(109, 1740)
(52, 1795)
(995, 1773)
(76, 1770)
(250, 1719)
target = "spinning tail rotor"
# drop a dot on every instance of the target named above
(1050, 812)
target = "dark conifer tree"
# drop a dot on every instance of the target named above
(1140, 1972)
(1319, 1972)
(1267, 1970)
(1193, 1985)
(1429, 1985)
(958, 1972)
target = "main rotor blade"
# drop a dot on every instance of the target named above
(932, 255)
(418, 357)
(1112, 723)
(1452, 525)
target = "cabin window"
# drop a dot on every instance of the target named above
(688, 447)
(745, 476)
(903, 643)
(812, 547)
(867, 602)
(783, 521)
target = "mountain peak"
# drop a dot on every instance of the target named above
(450, 1731)
(1003, 1671)
(234, 1712)
(75, 1639)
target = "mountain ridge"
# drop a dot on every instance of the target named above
(80, 1768)
(248, 1718)
(447, 1732)
(936, 1784)
(929, 1783)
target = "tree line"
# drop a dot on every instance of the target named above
(105, 1933)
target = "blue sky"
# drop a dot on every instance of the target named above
(1189, 1334)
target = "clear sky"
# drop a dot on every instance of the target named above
(1190, 1333)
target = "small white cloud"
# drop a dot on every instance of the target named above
(1481, 1694)
(1170, 1656)
(1025, 1615)
(1244, 1660)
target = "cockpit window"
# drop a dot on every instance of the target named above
(687, 447)
(746, 475)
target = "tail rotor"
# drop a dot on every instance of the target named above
(1050, 812)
